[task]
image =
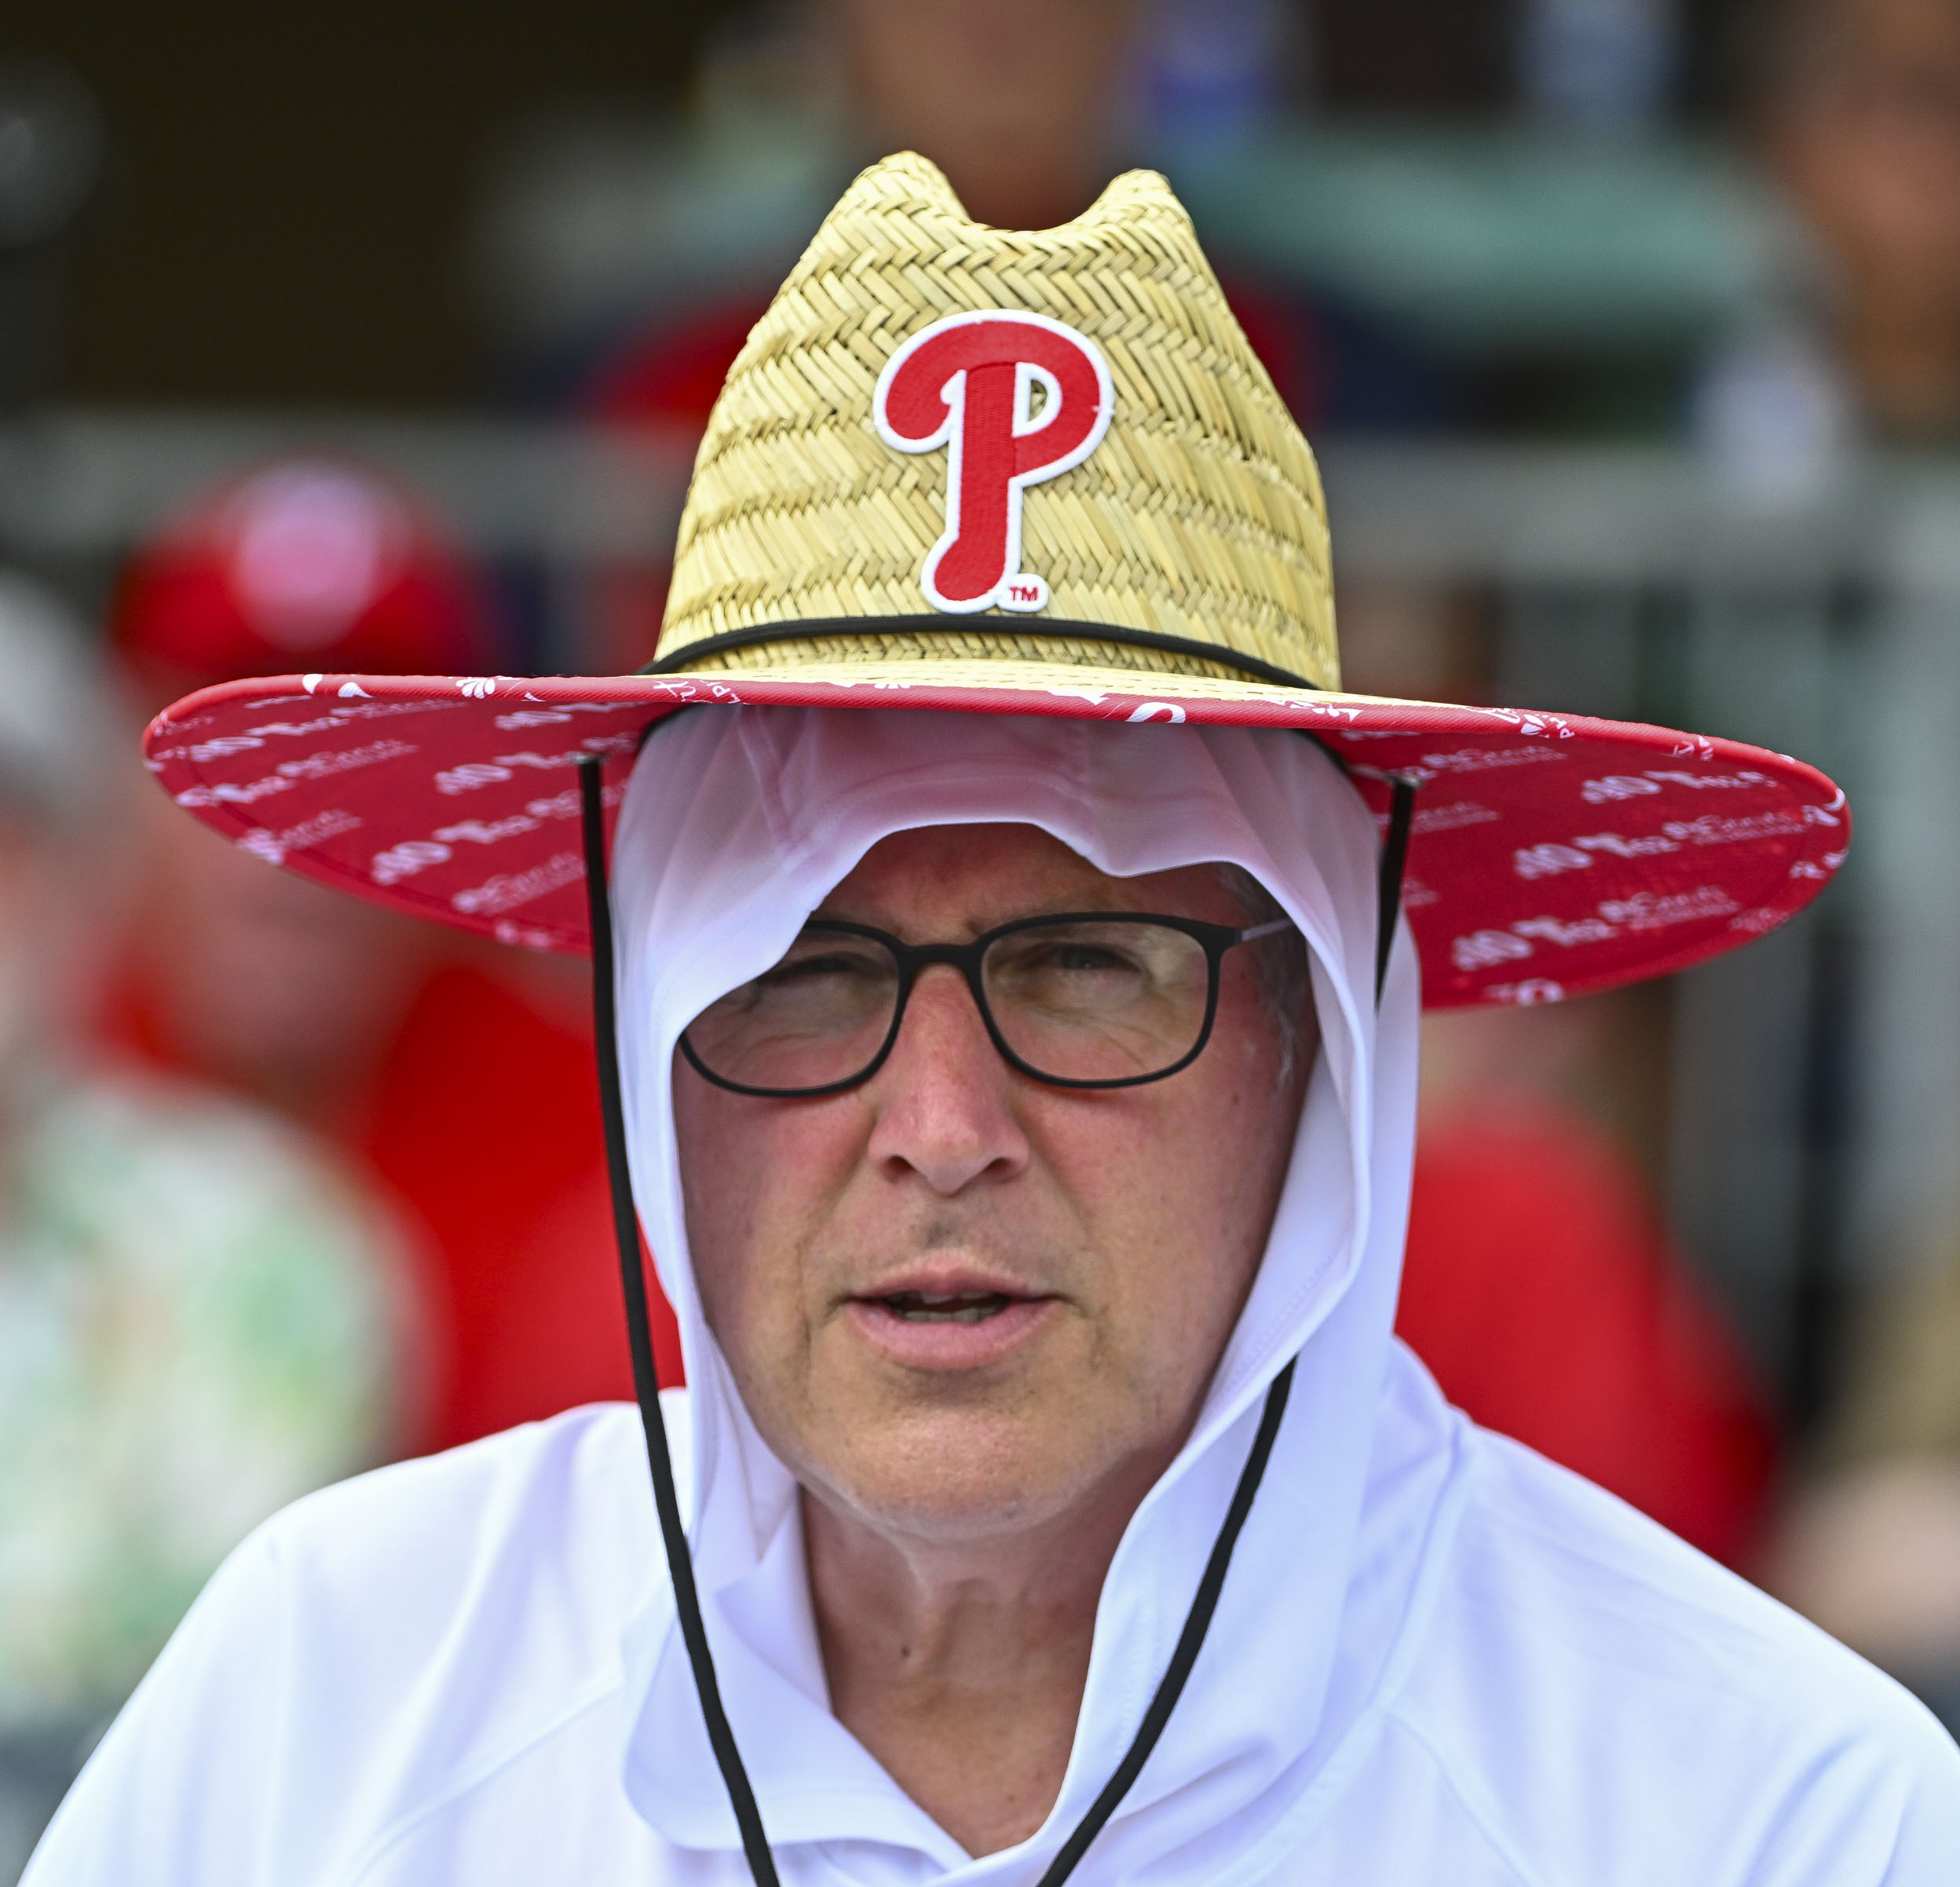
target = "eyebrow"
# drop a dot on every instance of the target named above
(1057, 907)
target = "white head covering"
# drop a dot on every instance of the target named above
(736, 823)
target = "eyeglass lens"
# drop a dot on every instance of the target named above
(1118, 1000)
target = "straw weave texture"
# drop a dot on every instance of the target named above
(1200, 515)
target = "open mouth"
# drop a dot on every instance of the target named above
(958, 1306)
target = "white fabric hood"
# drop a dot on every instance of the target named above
(737, 823)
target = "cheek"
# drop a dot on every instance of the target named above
(1177, 1183)
(756, 1179)
(716, 1144)
(1236, 1134)
(1241, 1068)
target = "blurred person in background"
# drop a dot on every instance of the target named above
(237, 975)
(458, 1076)
(1870, 1546)
(1858, 116)
(1028, 108)
(200, 1319)
(1018, 101)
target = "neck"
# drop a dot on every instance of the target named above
(961, 1667)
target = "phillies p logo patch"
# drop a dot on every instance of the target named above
(970, 383)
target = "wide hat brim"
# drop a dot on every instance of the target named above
(1551, 855)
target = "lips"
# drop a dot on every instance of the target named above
(956, 1321)
(956, 1306)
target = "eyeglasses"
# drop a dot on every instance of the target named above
(1097, 999)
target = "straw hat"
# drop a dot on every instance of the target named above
(1013, 472)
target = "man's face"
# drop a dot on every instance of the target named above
(1099, 1243)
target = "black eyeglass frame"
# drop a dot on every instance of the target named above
(1215, 939)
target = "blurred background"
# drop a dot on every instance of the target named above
(1628, 333)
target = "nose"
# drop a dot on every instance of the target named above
(943, 1100)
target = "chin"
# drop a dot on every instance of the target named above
(968, 1511)
(955, 1475)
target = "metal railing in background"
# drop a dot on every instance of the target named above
(1813, 1132)
(1814, 1101)
(78, 489)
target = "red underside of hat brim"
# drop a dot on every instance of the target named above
(1552, 856)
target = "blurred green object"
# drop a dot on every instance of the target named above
(1472, 241)
(603, 219)
(1507, 239)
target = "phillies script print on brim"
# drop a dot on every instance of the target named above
(993, 471)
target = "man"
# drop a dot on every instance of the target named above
(1015, 1066)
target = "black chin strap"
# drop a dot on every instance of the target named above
(646, 1382)
(687, 1604)
(1395, 857)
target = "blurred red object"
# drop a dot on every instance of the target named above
(672, 375)
(296, 561)
(1543, 1294)
(457, 1077)
(486, 1118)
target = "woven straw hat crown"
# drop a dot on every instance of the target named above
(1196, 521)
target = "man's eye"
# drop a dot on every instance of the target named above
(804, 970)
(1073, 957)
(1082, 957)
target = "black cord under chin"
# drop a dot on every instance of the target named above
(728, 1758)
(1394, 857)
(646, 1382)
(1197, 1623)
